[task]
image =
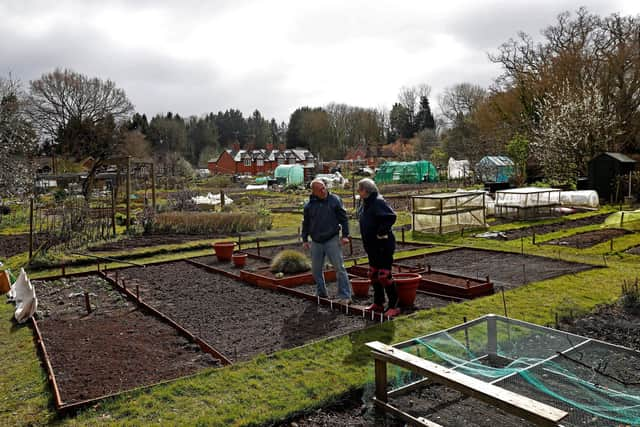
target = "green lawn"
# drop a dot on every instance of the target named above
(269, 388)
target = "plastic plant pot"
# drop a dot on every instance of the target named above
(224, 250)
(239, 259)
(360, 287)
(407, 285)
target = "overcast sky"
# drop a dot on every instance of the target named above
(194, 57)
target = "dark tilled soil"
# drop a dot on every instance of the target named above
(358, 249)
(147, 241)
(238, 320)
(634, 250)
(115, 348)
(608, 323)
(252, 264)
(551, 228)
(13, 244)
(504, 269)
(588, 239)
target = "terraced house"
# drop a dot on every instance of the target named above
(259, 161)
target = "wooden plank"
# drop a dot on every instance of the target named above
(513, 403)
(381, 380)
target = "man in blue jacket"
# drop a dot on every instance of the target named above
(376, 219)
(324, 218)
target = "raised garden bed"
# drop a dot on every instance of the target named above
(114, 348)
(146, 241)
(237, 319)
(355, 250)
(503, 268)
(590, 238)
(552, 228)
(13, 244)
(436, 282)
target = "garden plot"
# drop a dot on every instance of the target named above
(353, 250)
(239, 320)
(146, 241)
(590, 238)
(114, 348)
(552, 228)
(504, 269)
(13, 244)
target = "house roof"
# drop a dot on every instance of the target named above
(619, 157)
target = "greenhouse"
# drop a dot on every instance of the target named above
(446, 212)
(495, 169)
(406, 172)
(527, 202)
(289, 174)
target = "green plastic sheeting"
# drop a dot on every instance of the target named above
(629, 216)
(262, 180)
(291, 174)
(406, 172)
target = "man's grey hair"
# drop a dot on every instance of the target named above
(318, 180)
(368, 185)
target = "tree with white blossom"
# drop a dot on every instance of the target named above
(18, 141)
(574, 125)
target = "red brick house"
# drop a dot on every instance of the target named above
(235, 161)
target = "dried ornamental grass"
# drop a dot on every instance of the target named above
(290, 261)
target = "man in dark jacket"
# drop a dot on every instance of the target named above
(376, 219)
(324, 218)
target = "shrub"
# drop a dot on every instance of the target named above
(630, 297)
(290, 261)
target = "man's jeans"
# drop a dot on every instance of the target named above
(331, 249)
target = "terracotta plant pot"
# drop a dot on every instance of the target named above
(407, 285)
(360, 287)
(5, 283)
(239, 259)
(224, 250)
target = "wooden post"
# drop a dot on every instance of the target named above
(113, 208)
(128, 193)
(221, 200)
(350, 246)
(87, 302)
(621, 219)
(611, 245)
(239, 242)
(31, 228)
(153, 187)
(258, 245)
(381, 380)
(402, 233)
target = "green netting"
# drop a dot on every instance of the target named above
(406, 172)
(558, 380)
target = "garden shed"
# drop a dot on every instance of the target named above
(289, 174)
(406, 172)
(603, 171)
(446, 212)
(495, 169)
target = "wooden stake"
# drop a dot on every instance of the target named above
(504, 301)
(87, 303)
(138, 293)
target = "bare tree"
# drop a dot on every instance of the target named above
(460, 100)
(64, 95)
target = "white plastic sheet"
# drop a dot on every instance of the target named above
(581, 198)
(211, 199)
(25, 297)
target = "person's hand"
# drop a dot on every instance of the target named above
(382, 236)
(306, 245)
(345, 240)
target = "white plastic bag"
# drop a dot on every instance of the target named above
(25, 297)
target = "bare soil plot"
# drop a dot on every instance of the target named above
(634, 250)
(355, 250)
(146, 241)
(552, 228)
(238, 320)
(113, 349)
(13, 244)
(504, 269)
(590, 238)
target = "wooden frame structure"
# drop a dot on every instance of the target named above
(447, 212)
(527, 202)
